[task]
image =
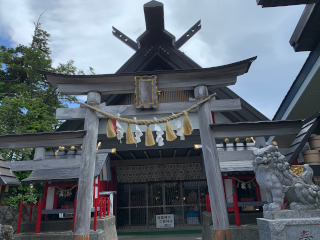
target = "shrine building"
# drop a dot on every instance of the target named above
(170, 179)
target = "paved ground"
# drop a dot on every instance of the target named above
(163, 237)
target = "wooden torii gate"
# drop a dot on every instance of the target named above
(198, 80)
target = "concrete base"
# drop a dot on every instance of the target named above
(244, 232)
(289, 225)
(6, 232)
(60, 230)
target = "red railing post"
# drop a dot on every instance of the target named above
(19, 217)
(100, 213)
(74, 211)
(95, 214)
(208, 208)
(30, 211)
(235, 203)
(258, 193)
(104, 207)
(108, 206)
(39, 215)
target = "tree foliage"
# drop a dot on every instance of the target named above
(27, 101)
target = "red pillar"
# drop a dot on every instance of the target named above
(104, 207)
(258, 191)
(30, 211)
(235, 203)
(208, 208)
(95, 214)
(108, 206)
(19, 217)
(100, 213)
(39, 215)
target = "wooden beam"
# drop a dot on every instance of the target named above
(125, 39)
(192, 31)
(280, 3)
(45, 164)
(87, 166)
(50, 163)
(225, 105)
(167, 80)
(128, 87)
(211, 161)
(256, 129)
(108, 143)
(45, 139)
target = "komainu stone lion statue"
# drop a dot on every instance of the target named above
(278, 182)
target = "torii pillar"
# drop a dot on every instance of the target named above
(211, 161)
(87, 166)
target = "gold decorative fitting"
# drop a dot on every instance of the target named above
(297, 169)
(248, 140)
(62, 148)
(274, 143)
(237, 140)
(113, 150)
(72, 148)
(226, 140)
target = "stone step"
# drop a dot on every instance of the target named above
(106, 230)
(67, 235)
(55, 225)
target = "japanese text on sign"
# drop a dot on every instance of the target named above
(165, 221)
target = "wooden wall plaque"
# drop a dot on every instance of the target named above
(146, 91)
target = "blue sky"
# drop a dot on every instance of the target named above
(5, 40)
(232, 30)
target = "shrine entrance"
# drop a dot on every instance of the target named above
(139, 203)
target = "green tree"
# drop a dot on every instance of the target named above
(27, 101)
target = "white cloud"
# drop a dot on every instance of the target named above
(16, 21)
(231, 31)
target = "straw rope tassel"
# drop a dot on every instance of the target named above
(149, 138)
(129, 136)
(170, 135)
(110, 129)
(186, 126)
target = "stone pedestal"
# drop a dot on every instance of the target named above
(289, 225)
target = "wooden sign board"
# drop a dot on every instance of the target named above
(146, 91)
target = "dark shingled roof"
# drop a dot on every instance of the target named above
(6, 175)
(65, 174)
